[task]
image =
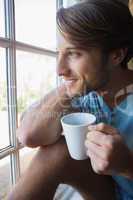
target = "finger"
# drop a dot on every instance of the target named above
(96, 149)
(98, 165)
(107, 129)
(100, 139)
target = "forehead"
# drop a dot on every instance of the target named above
(63, 42)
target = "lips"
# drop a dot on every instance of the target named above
(69, 81)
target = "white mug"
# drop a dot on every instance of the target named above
(75, 128)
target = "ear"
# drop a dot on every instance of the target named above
(118, 55)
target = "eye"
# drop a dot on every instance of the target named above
(74, 54)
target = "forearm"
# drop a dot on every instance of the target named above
(41, 124)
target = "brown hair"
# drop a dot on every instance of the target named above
(107, 24)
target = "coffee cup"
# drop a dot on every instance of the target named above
(75, 128)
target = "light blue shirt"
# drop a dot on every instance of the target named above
(121, 117)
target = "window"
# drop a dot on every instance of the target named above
(35, 22)
(67, 3)
(27, 72)
(4, 133)
(2, 19)
(5, 182)
(36, 75)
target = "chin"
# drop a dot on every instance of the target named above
(77, 90)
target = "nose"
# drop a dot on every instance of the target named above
(62, 67)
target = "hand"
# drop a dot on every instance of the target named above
(106, 149)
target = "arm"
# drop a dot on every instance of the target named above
(40, 125)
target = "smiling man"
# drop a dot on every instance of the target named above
(94, 49)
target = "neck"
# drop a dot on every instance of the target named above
(119, 79)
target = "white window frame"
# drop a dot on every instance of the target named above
(11, 45)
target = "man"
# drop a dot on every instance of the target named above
(94, 47)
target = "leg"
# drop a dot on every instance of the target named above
(42, 176)
(90, 185)
(52, 165)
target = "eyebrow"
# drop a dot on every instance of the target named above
(71, 48)
(79, 48)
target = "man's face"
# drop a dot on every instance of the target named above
(82, 70)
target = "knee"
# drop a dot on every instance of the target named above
(56, 155)
(58, 161)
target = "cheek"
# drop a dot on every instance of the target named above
(81, 70)
(92, 78)
(88, 74)
(77, 71)
(85, 72)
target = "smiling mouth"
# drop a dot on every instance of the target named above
(70, 81)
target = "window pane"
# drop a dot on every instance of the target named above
(36, 22)
(36, 75)
(2, 19)
(4, 177)
(4, 129)
(67, 3)
(26, 155)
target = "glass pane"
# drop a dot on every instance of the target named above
(36, 75)
(4, 129)
(26, 155)
(36, 22)
(67, 3)
(2, 19)
(4, 177)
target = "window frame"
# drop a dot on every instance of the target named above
(11, 45)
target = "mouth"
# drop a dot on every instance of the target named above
(69, 82)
